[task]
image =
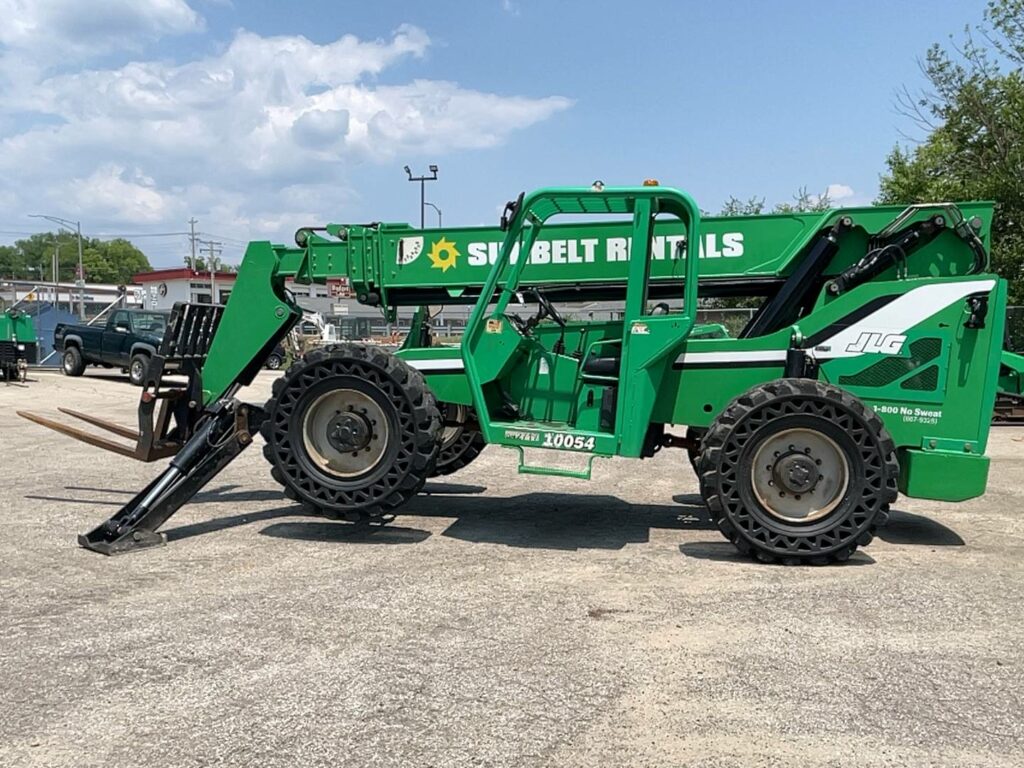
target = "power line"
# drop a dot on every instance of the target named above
(140, 234)
(225, 238)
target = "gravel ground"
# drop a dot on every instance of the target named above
(503, 621)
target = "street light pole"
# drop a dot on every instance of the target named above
(81, 273)
(438, 214)
(423, 192)
(55, 271)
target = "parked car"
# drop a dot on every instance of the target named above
(128, 341)
(276, 358)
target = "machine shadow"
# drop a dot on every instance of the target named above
(231, 521)
(345, 533)
(558, 521)
(724, 552)
(918, 530)
(904, 528)
(535, 520)
(217, 495)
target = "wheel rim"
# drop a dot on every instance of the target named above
(800, 475)
(69, 364)
(136, 372)
(274, 363)
(345, 433)
(454, 420)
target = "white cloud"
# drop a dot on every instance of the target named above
(264, 129)
(117, 193)
(52, 29)
(838, 192)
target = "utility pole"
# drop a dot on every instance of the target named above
(55, 271)
(192, 239)
(211, 264)
(423, 182)
(81, 272)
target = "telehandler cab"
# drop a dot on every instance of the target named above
(871, 366)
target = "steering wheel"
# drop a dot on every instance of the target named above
(546, 309)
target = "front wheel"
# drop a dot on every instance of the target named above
(352, 431)
(274, 361)
(796, 471)
(137, 369)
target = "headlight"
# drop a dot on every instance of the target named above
(21, 347)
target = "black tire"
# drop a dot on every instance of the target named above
(71, 362)
(460, 444)
(405, 455)
(862, 452)
(137, 368)
(274, 361)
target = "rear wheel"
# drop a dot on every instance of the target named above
(72, 363)
(797, 470)
(274, 361)
(352, 432)
(461, 442)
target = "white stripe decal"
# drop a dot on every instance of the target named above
(754, 356)
(900, 315)
(454, 364)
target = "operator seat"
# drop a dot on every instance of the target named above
(606, 366)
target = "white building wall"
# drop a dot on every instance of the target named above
(179, 289)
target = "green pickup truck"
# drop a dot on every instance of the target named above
(128, 341)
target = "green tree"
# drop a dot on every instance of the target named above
(35, 256)
(973, 115)
(11, 262)
(123, 260)
(752, 206)
(104, 261)
(803, 201)
(199, 265)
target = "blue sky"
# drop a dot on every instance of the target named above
(259, 117)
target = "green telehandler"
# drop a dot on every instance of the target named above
(1010, 395)
(870, 368)
(18, 346)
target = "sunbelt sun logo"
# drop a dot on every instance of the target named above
(443, 254)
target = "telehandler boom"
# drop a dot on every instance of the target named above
(870, 368)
